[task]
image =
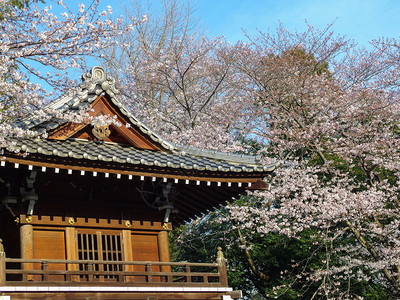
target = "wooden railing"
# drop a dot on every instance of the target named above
(36, 272)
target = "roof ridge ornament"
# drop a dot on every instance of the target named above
(97, 77)
(96, 73)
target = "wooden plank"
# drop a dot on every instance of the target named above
(64, 131)
(62, 261)
(128, 254)
(50, 244)
(71, 250)
(46, 271)
(144, 248)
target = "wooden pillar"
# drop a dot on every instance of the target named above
(26, 232)
(127, 242)
(26, 240)
(163, 249)
(223, 278)
(2, 268)
(128, 254)
(163, 246)
(71, 251)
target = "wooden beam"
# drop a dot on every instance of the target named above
(192, 195)
(127, 242)
(133, 173)
(205, 199)
(128, 254)
(221, 193)
(183, 213)
(185, 200)
(71, 250)
(258, 185)
(163, 249)
(182, 216)
(184, 210)
(92, 222)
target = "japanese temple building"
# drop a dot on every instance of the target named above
(85, 212)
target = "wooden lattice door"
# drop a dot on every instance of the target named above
(105, 246)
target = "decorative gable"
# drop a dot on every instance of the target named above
(123, 134)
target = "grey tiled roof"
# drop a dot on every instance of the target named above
(97, 83)
(112, 152)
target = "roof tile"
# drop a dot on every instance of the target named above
(174, 156)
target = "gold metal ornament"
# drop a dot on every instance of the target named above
(71, 221)
(28, 219)
(165, 226)
(128, 224)
(101, 132)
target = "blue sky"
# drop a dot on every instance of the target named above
(361, 20)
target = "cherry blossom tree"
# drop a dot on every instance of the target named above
(32, 38)
(327, 111)
(177, 80)
(330, 114)
(323, 108)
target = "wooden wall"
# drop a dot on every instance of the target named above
(145, 247)
(46, 242)
(49, 244)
